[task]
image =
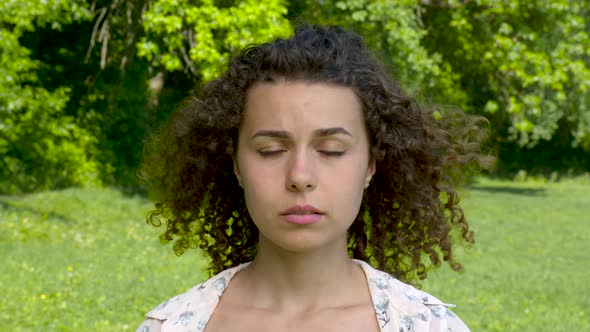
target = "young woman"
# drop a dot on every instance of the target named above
(315, 186)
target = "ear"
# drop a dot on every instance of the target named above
(237, 169)
(370, 171)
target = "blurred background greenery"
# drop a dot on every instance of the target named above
(82, 83)
(84, 260)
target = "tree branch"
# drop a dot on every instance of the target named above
(103, 12)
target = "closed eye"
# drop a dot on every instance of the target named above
(269, 153)
(332, 153)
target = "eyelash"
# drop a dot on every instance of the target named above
(269, 153)
(277, 152)
(332, 153)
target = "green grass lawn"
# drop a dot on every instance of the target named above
(84, 260)
(530, 267)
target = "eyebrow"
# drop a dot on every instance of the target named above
(282, 134)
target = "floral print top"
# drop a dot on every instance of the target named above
(398, 307)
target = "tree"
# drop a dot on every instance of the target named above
(81, 83)
(40, 146)
(524, 64)
(201, 38)
(393, 30)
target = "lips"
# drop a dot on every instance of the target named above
(302, 214)
(302, 209)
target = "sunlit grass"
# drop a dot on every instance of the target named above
(85, 260)
(530, 267)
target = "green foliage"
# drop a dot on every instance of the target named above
(40, 146)
(200, 38)
(394, 32)
(525, 64)
(82, 83)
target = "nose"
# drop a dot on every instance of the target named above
(301, 173)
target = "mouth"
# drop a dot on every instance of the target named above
(302, 210)
(302, 214)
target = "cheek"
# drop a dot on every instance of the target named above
(260, 190)
(352, 173)
(260, 178)
(346, 185)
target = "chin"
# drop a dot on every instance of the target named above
(301, 243)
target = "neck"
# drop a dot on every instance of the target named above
(288, 281)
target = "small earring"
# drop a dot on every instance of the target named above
(366, 185)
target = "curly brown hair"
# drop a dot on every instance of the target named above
(406, 220)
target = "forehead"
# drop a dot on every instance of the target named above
(301, 105)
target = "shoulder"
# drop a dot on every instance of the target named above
(192, 308)
(180, 310)
(150, 325)
(408, 307)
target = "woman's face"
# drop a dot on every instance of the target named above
(303, 161)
